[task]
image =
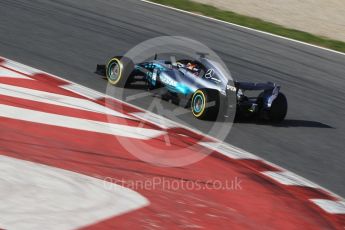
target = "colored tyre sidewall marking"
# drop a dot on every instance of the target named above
(111, 64)
(198, 95)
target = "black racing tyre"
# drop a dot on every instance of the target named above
(205, 104)
(278, 109)
(118, 71)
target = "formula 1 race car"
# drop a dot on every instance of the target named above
(201, 85)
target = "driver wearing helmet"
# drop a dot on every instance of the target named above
(192, 67)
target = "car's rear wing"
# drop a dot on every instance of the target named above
(270, 91)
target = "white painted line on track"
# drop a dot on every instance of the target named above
(289, 178)
(243, 27)
(86, 92)
(229, 150)
(330, 206)
(57, 99)
(11, 74)
(18, 66)
(160, 121)
(77, 123)
(36, 196)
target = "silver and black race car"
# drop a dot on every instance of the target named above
(200, 84)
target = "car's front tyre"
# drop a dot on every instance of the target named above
(205, 104)
(118, 71)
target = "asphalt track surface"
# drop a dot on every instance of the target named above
(67, 38)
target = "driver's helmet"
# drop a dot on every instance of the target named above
(193, 68)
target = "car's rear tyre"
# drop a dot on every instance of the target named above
(278, 109)
(118, 71)
(205, 105)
